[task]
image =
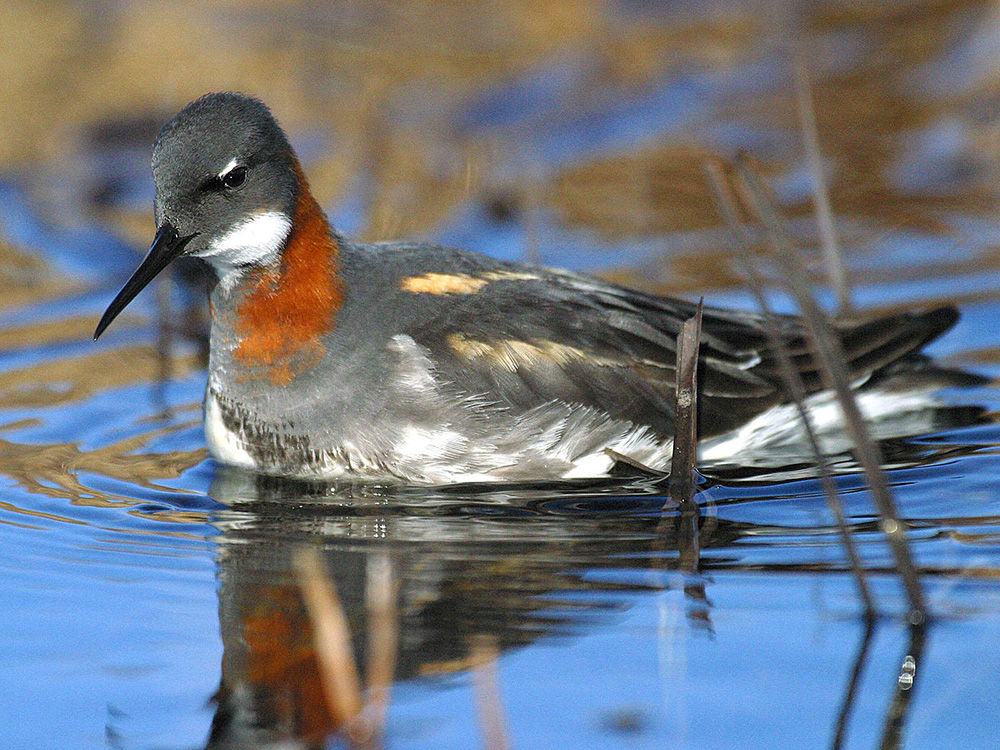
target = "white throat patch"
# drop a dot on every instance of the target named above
(254, 241)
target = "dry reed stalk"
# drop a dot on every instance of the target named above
(332, 638)
(726, 201)
(832, 256)
(682, 462)
(487, 685)
(828, 348)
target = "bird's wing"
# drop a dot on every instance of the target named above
(523, 336)
(526, 338)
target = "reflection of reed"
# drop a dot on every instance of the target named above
(486, 678)
(67, 380)
(26, 278)
(53, 470)
(337, 667)
(360, 717)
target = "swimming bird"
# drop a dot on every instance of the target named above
(427, 364)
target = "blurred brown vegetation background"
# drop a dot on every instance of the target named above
(376, 95)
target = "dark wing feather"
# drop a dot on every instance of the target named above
(521, 342)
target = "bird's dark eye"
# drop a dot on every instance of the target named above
(234, 177)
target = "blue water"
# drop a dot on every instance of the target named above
(138, 579)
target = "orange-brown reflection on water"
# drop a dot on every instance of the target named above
(26, 278)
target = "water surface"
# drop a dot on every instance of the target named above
(147, 595)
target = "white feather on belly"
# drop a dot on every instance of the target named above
(777, 437)
(224, 444)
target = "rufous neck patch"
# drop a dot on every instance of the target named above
(281, 321)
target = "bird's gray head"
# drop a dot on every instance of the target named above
(224, 172)
(227, 182)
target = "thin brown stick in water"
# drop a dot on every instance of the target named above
(832, 256)
(827, 346)
(332, 638)
(794, 386)
(383, 638)
(487, 685)
(682, 463)
(899, 708)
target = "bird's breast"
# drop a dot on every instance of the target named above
(282, 312)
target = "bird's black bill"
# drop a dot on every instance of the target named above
(166, 246)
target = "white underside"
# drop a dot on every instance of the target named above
(224, 444)
(442, 456)
(777, 436)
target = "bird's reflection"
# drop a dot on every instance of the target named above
(470, 567)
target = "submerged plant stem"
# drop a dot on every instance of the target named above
(899, 708)
(487, 685)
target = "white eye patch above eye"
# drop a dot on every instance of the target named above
(228, 168)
